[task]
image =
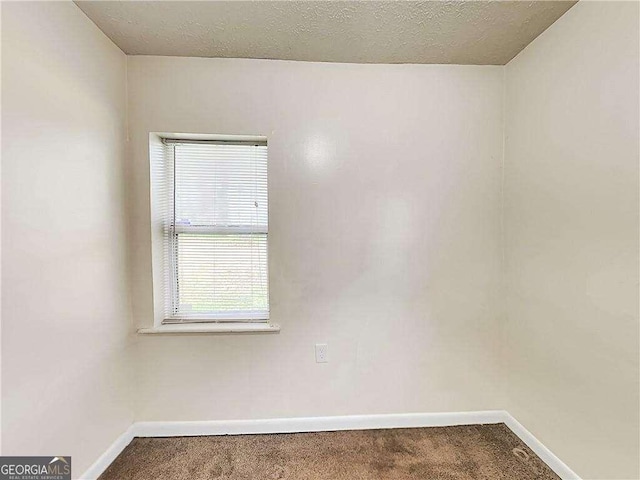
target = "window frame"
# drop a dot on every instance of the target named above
(165, 318)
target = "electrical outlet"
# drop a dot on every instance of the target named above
(322, 354)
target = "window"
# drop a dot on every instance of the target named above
(215, 231)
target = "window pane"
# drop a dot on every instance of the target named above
(221, 273)
(221, 185)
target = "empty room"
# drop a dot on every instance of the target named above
(320, 240)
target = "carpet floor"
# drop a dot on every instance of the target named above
(472, 452)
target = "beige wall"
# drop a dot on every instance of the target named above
(572, 238)
(65, 309)
(384, 186)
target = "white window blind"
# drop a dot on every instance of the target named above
(216, 231)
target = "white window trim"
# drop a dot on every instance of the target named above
(235, 327)
(162, 325)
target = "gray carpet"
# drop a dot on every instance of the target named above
(472, 452)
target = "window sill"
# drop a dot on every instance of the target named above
(248, 327)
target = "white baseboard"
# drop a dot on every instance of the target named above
(324, 424)
(109, 456)
(313, 424)
(546, 455)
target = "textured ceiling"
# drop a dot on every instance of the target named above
(458, 32)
